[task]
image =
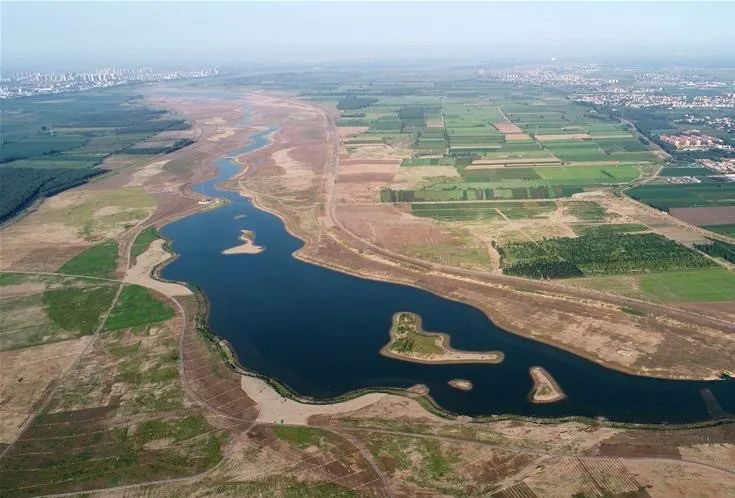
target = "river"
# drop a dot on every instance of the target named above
(319, 331)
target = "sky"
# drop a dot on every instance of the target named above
(82, 35)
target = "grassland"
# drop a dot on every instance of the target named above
(137, 306)
(53, 309)
(97, 261)
(722, 229)
(713, 284)
(703, 194)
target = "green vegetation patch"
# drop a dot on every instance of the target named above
(599, 254)
(728, 229)
(608, 229)
(718, 249)
(712, 284)
(665, 197)
(143, 241)
(137, 306)
(685, 171)
(408, 336)
(178, 430)
(78, 308)
(97, 261)
(300, 437)
(469, 211)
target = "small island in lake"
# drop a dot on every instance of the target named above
(408, 341)
(461, 384)
(545, 389)
(247, 247)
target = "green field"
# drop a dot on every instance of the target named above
(468, 211)
(137, 306)
(689, 195)
(712, 284)
(728, 230)
(97, 261)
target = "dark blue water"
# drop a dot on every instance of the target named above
(319, 331)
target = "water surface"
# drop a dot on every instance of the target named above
(319, 331)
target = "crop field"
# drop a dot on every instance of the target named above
(468, 211)
(713, 284)
(728, 229)
(665, 197)
(598, 254)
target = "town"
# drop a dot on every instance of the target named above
(24, 84)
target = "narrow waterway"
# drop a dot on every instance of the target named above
(319, 331)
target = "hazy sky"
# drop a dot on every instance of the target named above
(69, 35)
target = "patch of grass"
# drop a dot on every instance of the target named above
(78, 308)
(11, 278)
(438, 464)
(143, 241)
(178, 430)
(715, 284)
(608, 229)
(728, 230)
(300, 437)
(137, 306)
(97, 261)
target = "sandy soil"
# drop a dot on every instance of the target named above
(274, 408)
(247, 247)
(24, 377)
(140, 273)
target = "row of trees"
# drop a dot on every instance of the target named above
(718, 249)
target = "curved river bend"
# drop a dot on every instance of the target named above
(320, 331)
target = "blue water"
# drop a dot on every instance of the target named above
(319, 331)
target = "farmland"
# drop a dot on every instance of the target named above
(598, 254)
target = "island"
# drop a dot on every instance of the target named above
(248, 245)
(545, 389)
(461, 384)
(409, 342)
